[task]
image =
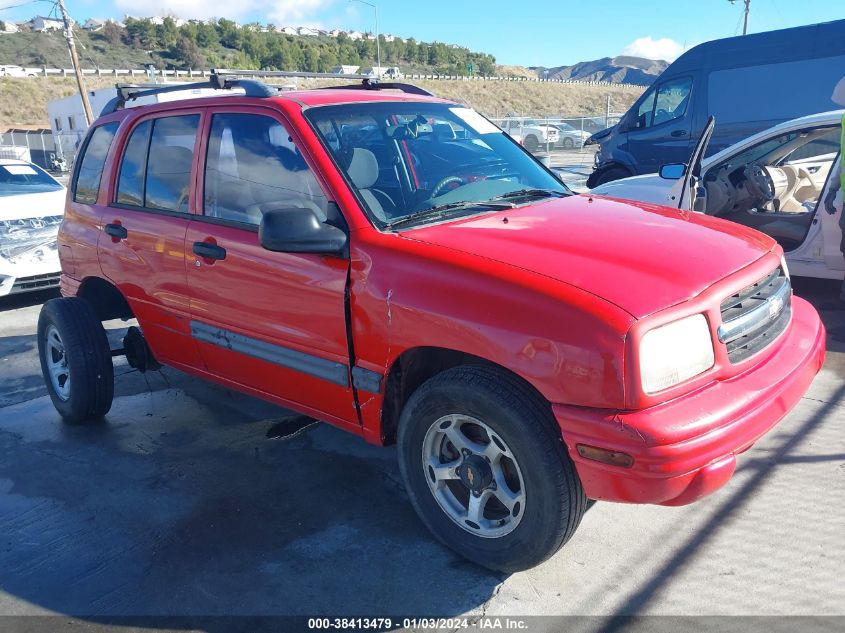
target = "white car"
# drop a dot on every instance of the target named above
(570, 137)
(779, 181)
(535, 134)
(31, 210)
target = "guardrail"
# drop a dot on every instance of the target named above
(132, 72)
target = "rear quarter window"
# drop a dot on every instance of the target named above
(90, 170)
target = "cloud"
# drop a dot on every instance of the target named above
(279, 12)
(650, 48)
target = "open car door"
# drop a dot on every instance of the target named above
(686, 189)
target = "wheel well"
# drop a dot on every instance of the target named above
(412, 369)
(107, 300)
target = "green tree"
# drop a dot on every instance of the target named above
(167, 33)
(207, 35)
(113, 33)
(142, 33)
(312, 60)
(187, 52)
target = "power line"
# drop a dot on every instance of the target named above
(23, 4)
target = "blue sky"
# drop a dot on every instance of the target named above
(528, 32)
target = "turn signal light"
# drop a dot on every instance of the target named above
(614, 458)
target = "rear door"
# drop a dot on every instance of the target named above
(142, 249)
(267, 321)
(659, 133)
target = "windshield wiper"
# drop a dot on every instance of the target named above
(523, 193)
(441, 210)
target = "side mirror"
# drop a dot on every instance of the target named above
(297, 230)
(672, 171)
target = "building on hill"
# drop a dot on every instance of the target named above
(8, 27)
(306, 30)
(345, 69)
(287, 30)
(42, 24)
(93, 24)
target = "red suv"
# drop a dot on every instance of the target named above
(395, 265)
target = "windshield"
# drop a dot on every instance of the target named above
(413, 162)
(16, 179)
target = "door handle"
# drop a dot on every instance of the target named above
(678, 133)
(209, 250)
(117, 231)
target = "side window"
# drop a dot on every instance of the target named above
(87, 185)
(171, 154)
(645, 111)
(155, 171)
(672, 100)
(253, 166)
(130, 185)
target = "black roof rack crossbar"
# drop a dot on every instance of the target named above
(374, 84)
(129, 92)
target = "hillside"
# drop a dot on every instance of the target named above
(621, 69)
(23, 102)
(224, 44)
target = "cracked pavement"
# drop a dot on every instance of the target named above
(180, 504)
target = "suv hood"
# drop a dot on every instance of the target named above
(640, 257)
(32, 205)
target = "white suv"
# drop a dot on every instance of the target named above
(535, 134)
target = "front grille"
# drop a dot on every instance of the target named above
(36, 282)
(754, 317)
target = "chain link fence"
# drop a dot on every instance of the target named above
(559, 141)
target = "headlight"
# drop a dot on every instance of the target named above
(675, 352)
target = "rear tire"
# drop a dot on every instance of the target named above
(531, 143)
(75, 360)
(527, 466)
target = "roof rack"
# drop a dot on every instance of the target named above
(130, 92)
(375, 84)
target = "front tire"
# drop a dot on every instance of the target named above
(568, 143)
(611, 174)
(486, 470)
(75, 360)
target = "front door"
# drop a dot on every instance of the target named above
(660, 131)
(273, 322)
(142, 249)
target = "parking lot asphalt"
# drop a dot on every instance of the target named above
(180, 504)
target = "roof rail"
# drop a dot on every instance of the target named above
(375, 84)
(129, 92)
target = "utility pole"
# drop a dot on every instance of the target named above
(378, 45)
(74, 59)
(745, 16)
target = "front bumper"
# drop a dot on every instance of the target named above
(686, 448)
(37, 273)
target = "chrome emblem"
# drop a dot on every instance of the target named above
(775, 306)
